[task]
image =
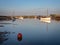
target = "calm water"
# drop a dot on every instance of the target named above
(33, 32)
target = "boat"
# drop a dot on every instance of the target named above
(13, 19)
(46, 19)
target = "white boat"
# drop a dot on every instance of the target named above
(46, 19)
(21, 18)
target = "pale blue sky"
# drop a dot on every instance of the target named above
(21, 7)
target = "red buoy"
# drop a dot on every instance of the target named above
(19, 36)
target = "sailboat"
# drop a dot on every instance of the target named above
(13, 18)
(46, 19)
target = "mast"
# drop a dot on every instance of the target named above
(13, 18)
(47, 16)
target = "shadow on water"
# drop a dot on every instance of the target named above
(1, 25)
(4, 37)
(5, 23)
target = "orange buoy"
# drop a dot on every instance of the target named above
(19, 36)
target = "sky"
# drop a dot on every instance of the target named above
(29, 7)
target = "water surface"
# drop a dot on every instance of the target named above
(34, 32)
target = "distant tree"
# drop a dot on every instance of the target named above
(52, 15)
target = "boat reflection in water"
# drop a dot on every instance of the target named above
(46, 19)
(19, 36)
